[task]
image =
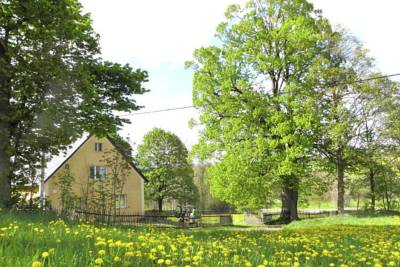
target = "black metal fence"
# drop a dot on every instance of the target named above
(161, 220)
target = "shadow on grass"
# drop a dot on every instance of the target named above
(376, 213)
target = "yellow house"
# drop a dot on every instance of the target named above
(87, 165)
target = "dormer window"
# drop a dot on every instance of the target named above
(98, 147)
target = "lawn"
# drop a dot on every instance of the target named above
(45, 241)
(362, 220)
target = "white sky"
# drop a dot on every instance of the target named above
(159, 35)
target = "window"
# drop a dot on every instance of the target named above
(98, 172)
(121, 201)
(98, 147)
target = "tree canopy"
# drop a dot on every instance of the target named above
(255, 92)
(54, 84)
(163, 158)
(278, 93)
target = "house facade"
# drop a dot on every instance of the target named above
(90, 165)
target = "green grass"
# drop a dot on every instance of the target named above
(238, 219)
(337, 241)
(346, 220)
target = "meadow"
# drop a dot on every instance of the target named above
(42, 240)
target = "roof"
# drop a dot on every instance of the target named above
(116, 147)
(127, 159)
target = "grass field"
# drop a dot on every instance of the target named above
(27, 240)
(347, 220)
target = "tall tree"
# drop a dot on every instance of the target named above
(256, 95)
(163, 158)
(53, 85)
(351, 112)
(376, 99)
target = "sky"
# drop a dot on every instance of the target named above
(159, 36)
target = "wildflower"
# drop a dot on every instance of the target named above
(101, 252)
(36, 264)
(99, 261)
(117, 259)
(129, 254)
(160, 261)
(45, 254)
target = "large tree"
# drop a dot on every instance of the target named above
(53, 84)
(337, 107)
(353, 107)
(163, 158)
(376, 100)
(255, 92)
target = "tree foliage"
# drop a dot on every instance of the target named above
(53, 84)
(284, 97)
(64, 184)
(163, 158)
(255, 94)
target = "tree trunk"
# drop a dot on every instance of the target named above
(160, 204)
(5, 183)
(388, 201)
(289, 198)
(340, 182)
(372, 187)
(5, 164)
(42, 178)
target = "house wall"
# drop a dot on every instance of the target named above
(79, 165)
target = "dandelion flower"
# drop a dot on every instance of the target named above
(129, 253)
(45, 254)
(99, 261)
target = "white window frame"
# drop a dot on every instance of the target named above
(98, 147)
(99, 172)
(124, 203)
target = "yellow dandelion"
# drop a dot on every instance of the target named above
(129, 253)
(36, 264)
(99, 261)
(45, 254)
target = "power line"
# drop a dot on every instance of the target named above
(156, 111)
(187, 107)
(372, 78)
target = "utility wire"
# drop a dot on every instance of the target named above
(187, 107)
(157, 111)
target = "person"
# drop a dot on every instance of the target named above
(192, 217)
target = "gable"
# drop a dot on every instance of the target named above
(88, 147)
